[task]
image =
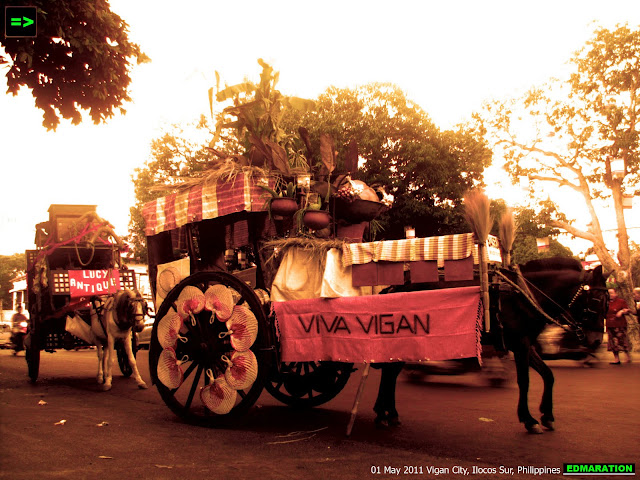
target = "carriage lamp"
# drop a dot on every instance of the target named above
(617, 168)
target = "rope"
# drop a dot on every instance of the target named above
(534, 304)
(50, 247)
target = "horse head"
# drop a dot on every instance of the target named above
(564, 287)
(131, 309)
(592, 300)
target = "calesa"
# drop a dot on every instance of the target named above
(380, 323)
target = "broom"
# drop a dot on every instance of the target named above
(506, 233)
(477, 214)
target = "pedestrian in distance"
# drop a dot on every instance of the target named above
(18, 329)
(616, 323)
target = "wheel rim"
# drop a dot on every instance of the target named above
(308, 384)
(202, 350)
(123, 360)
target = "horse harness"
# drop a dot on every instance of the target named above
(101, 307)
(571, 324)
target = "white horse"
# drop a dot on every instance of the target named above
(114, 318)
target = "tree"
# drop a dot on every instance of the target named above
(530, 228)
(570, 133)
(10, 267)
(174, 156)
(427, 170)
(80, 60)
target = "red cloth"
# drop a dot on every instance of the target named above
(413, 326)
(202, 202)
(615, 306)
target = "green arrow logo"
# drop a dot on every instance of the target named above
(26, 22)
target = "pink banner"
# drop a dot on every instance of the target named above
(425, 325)
(93, 282)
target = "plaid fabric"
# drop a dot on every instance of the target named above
(446, 247)
(202, 202)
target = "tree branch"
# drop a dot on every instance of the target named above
(558, 180)
(573, 230)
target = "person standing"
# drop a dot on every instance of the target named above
(617, 327)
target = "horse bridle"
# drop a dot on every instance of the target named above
(571, 323)
(592, 302)
(590, 309)
(131, 317)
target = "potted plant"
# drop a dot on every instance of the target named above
(281, 203)
(313, 216)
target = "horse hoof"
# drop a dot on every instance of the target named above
(535, 428)
(142, 386)
(394, 422)
(106, 388)
(548, 425)
(381, 423)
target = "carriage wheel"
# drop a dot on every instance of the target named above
(308, 384)
(201, 350)
(32, 355)
(123, 361)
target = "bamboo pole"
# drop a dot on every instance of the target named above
(356, 402)
(483, 271)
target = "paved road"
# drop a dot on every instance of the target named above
(447, 423)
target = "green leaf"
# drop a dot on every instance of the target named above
(232, 91)
(300, 104)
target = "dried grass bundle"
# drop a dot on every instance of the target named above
(317, 247)
(507, 231)
(224, 170)
(476, 212)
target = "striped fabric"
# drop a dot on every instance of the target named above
(202, 202)
(446, 247)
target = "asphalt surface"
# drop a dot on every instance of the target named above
(449, 424)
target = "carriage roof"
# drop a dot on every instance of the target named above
(204, 201)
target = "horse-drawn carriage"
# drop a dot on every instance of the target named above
(244, 304)
(77, 259)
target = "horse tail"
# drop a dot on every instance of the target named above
(476, 212)
(506, 233)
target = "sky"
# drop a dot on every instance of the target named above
(449, 57)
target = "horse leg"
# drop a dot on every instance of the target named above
(546, 405)
(385, 406)
(100, 360)
(132, 361)
(109, 358)
(521, 356)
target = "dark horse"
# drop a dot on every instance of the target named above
(562, 292)
(565, 294)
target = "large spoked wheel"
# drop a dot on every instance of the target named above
(308, 384)
(205, 340)
(123, 360)
(32, 354)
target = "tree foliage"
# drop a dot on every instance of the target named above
(80, 60)
(400, 148)
(570, 133)
(174, 155)
(10, 267)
